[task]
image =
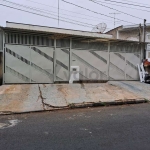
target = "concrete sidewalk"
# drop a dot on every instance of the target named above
(40, 97)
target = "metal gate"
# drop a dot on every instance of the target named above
(124, 59)
(41, 59)
(28, 64)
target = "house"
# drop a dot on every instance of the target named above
(39, 54)
(130, 32)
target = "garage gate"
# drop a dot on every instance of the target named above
(41, 59)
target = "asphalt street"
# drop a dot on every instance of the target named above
(102, 128)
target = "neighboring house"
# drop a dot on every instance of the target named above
(130, 32)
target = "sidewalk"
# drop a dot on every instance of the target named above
(40, 97)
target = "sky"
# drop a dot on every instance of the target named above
(85, 19)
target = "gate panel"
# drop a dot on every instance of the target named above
(132, 60)
(117, 66)
(42, 64)
(93, 64)
(62, 64)
(25, 64)
(17, 64)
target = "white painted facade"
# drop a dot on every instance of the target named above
(130, 33)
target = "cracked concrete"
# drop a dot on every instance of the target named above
(47, 101)
(53, 98)
(20, 98)
(40, 97)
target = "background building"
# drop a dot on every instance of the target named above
(130, 32)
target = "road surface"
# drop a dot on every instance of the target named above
(102, 128)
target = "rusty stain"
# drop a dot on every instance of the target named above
(44, 86)
(69, 92)
(9, 89)
(15, 95)
(14, 105)
(63, 90)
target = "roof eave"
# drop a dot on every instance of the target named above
(56, 30)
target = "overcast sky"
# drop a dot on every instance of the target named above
(80, 15)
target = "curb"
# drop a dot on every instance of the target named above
(86, 105)
(111, 103)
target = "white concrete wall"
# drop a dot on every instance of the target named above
(133, 35)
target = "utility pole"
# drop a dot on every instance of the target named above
(114, 17)
(144, 37)
(58, 13)
(140, 33)
(140, 38)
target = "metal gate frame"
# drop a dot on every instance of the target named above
(55, 57)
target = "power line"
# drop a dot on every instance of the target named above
(58, 13)
(127, 3)
(39, 10)
(125, 6)
(95, 11)
(89, 15)
(43, 11)
(43, 15)
(49, 11)
(69, 15)
(115, 9)
(66, 10)
(136, 2)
